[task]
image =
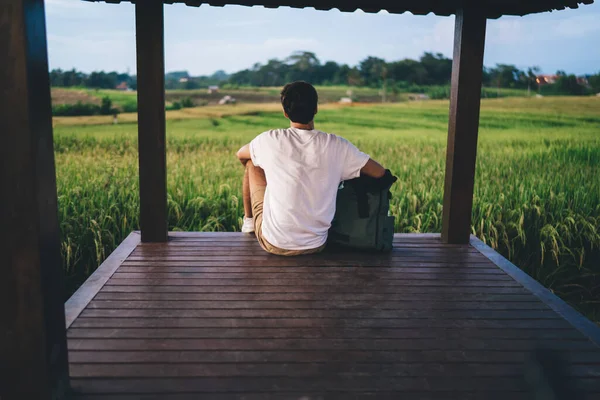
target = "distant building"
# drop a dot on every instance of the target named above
(213, 89)
(227, 100)
(122, 86)
(546, 79)
(418, 96)
(183, 80)
(583, 81)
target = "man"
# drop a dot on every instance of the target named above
(303, 167)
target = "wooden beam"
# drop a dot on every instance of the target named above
(149, 21)
(32, 321)
(465, 97)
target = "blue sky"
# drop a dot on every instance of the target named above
(98, 36)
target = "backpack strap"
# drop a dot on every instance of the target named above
(362, 199)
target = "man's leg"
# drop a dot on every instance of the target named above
(253, 190)
(256, 177)
(246, 194)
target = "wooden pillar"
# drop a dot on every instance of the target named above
(33, 351)
(465, 98)
(151, 119)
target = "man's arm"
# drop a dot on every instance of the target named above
(373, 168)
(243, 154)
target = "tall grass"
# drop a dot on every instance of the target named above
(537, 192)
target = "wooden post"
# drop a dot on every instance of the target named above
(151, 120)
(465, 98)
(33, 348)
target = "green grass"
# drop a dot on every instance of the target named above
(537, 192)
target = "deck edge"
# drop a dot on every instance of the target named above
(588, 328)
(86, 292)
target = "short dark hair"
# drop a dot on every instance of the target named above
(299, 100)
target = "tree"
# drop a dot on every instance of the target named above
(303, 60)
(594, 82)
(532, 73)
(372, 71)
(567, 84)
(409, 71)
(438, 67)
(504, 75)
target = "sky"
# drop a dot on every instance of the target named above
(98, 36)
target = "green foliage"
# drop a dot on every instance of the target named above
(565, 85)
(537, 196)
(187, 102)
(594, 81)
(97, 79)
(84, 109)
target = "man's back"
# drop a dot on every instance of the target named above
(303, 169)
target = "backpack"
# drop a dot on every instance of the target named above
(362, 219)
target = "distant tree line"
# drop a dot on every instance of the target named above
(97, 79)
(429, 70)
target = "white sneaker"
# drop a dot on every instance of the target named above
(248, 226)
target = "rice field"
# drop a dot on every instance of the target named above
(537, 189)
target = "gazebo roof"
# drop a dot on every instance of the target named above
(491, 8)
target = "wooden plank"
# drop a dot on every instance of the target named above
(260, 253)
(255, 248)
(329, 395)
(323, 277)
(86, 292)
(319, 323)
(502, 298)
(300, 262)
(323, 344)
(314, 314)
(266, 257)
(456, 289)
(328, 381)
(465, 95)
(312, 305)
(151, 120)
(302, 284)
(219, 242)
(312, 271)
(582, 324)
(314, 370)
(448, 356)
(304, 395)
(316, 333)
(32, 330)
(364, 264)
(239, 235)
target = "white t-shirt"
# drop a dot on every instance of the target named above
(303, 169)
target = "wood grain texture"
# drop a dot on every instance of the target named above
(33, 348)
(581, 323)
(86, 292)
(149, 26)
(212, 316)
(463, 126)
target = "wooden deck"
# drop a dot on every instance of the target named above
(212, 316)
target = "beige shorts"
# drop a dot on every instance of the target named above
(258, 197)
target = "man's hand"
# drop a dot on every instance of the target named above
(243, 154)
